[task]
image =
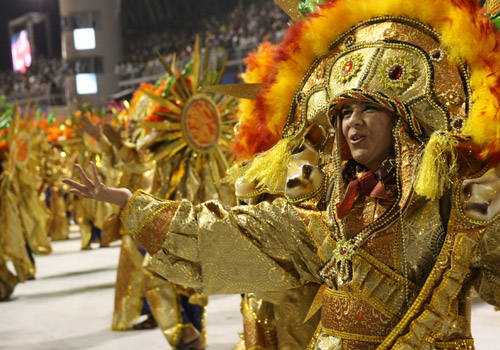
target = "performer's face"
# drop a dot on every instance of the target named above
(367, 128)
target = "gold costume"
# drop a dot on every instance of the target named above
(376, 300)
(271, 321)
(188, 134)
(397, 271)
(54, 168)
(89, 145)
(24, 217)
(90, 213)
(130, 279)
(275, 320)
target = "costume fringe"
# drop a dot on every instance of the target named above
(269, 168)
(437, 167)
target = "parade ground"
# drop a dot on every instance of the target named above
(69, 306)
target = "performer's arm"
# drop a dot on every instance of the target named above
(218, 249)
(213, 248)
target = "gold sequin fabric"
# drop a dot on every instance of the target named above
(486, 266)
(241, 249)
(8, 280)
(128, 287)
(162, 296)
(148, 219)
(285, 313)
(59, 225)
(256, 333)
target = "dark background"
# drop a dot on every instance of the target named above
(11, 9)
(137, 16)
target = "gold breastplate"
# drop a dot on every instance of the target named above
(388, 271)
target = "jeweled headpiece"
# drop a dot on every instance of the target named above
(396, 62)
(433, 63)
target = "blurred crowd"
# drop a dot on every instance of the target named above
(233, 34)
(45, 75)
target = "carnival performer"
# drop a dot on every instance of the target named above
(401, 100)
(54, 166)
(188, 135)
(90, 215)
(188, 164)
(23, 215)
(135, 170)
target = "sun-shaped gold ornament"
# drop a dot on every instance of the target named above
(20, 141)
(189, 129)
(348, 68)
(398, 73)
(201, 124)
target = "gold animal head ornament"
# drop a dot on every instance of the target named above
(480, 196)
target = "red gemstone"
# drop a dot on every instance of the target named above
(347, 68)
(343, 251)
(395, 72)
(458, 124)
(437, 54)
(300, 97)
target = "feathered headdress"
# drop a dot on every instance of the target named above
(437, 63)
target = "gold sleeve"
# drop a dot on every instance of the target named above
(148, 219)
(218, 249)
(487, 266)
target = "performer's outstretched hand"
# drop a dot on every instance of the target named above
(95, 189)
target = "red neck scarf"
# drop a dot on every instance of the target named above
(367, 183)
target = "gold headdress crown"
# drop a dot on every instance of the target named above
(393, 61)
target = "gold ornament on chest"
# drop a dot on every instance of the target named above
(340, 264)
